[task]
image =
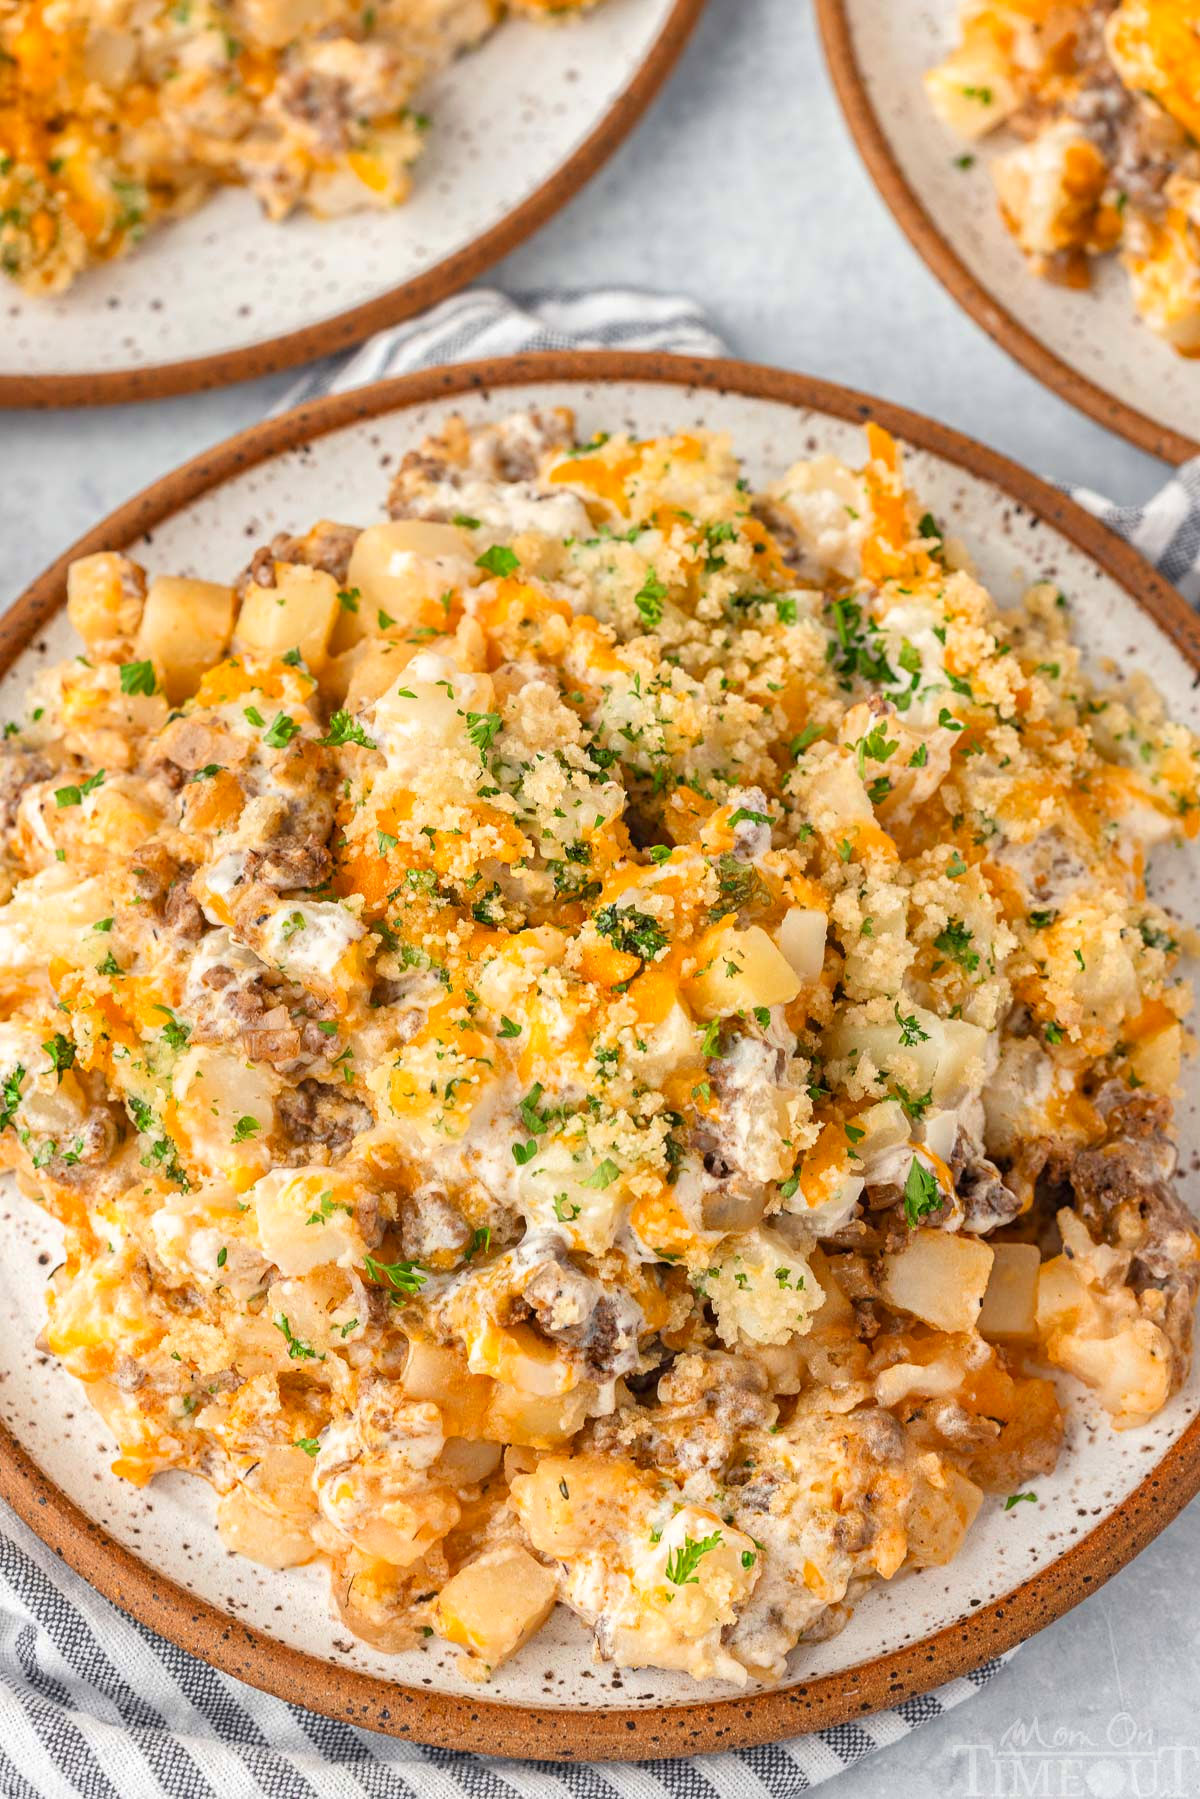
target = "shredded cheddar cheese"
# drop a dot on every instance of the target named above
(116, 115)
(566, 1031)
(1106, 95)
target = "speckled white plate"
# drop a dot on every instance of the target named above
(518, 126)
(1089, 347)
(1110, 1494)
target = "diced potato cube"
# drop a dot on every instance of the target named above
(400, 568)
(279, 22)
(377, 667)
(540, 1422)
(972, 91)
(521, 1358)
(185, 630)
(835, 1307)
(261, 1535)
(298, 613)
(801, 937)
(305, 1219)
(741, 969)
(105, 594)
(943, 1510)
(120, 820)
(271, 1523)
(494, 1605)
(939, 1277)
(441, 1374)
(884, 1127)
(1009, 1312)
(962, 1045)
(466, 1461)
(947, 1056)
(1157, 1060)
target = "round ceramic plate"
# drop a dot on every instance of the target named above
(518, 126)
(156, 1551)
(1089, 347)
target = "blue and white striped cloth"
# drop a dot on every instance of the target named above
(94, 1706)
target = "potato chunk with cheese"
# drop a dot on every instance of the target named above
(184, 630)
(494, 1605)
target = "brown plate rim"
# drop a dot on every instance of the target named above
(926, 237)
(479, 1725)
(347, 328)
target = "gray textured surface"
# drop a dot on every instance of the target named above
(742, 188)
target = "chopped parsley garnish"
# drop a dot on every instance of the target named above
(10, 1094)
(348, 598)
(1016, 1498)
(910, 1030)
(604, 1175)
(325, 1207)
(137, 677)
(282, 730)
(955, 942)
(74, 796)
(483, 728)
(922, 1194)
(740, 886)
(915, 1104)
(245, 1128)
(632, 931)
(683, 1562)
(508, 1028)
(297, 1348)
(1154, 937)
(61, 1054)
(481, 1241)
(401, 1277)
(649, 601)
(808, 735)
(498, 561)
(175, 1034)
(345, 728)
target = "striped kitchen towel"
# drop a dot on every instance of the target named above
(94, 1706)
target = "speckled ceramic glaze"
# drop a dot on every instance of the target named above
(1111, 1493)
(1089, 346)
(518, 126)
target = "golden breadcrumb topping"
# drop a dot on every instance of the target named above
(598, 1040)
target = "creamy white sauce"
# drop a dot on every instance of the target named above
(308, 938)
